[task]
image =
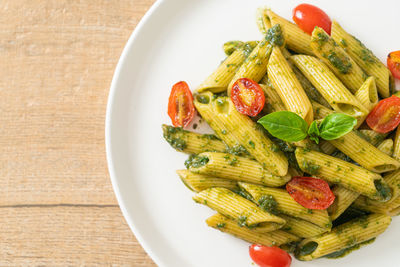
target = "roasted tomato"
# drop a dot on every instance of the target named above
(307, 17)
(247, 96)
(385, 116)
(393, 63)
(311, 193)
(269, 256)
(180, 105)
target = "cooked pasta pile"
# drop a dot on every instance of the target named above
(241, 170)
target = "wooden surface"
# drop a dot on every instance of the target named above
(57, 58)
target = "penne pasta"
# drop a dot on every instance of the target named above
(296, 39)
(274, 100)
(255, 65)
(326, 49)
(337, 95)
(346, 174)
(236, 168)
(243, 211)
(274, 238)
(396, 144)
(346, 235)
(287, 205)
(219, 80)
(236, 129)
(386, 146)
(288, 87)
(365, 154)
(301, 228)
(367, 94)
(191, 143)
(363, 57)
(199, 182)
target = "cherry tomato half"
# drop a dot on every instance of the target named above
(247, 96)
(269, 256)
(308, 16)
(385, 116)
(393, 63)
(311, 193)
(180, 105)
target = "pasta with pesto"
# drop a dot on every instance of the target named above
(293, 140)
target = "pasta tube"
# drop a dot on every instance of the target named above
(386, 146)
(364, 153)
(274, 100)
(287, 205)
(396, 145)
(340, 99)
(346, 174)
(325, 48)
(226, 225)
(346, 235)
(231, 46)
(199, 182)
(288, 87)
(301, 228)
(191, 143)
(237, 129)
(219, 80)
(363, 57)
(243, 211)
(255, 65)
(296, 39)
(367, 94)
(236, 168)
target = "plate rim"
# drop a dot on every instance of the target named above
(108, 145)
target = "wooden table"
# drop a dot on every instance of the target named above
(57, 206)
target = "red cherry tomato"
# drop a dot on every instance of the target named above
(308, 16)
(385, 116)
(180, 105)
(247, 96)
(269, 256)
(311, 193)
(393, 63)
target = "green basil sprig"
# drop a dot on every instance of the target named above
(289, 126)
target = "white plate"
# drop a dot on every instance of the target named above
(181, 40)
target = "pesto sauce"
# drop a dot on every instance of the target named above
(173, 135)
(322, 38)
(268, 203)
(348, 215)
(310, 168)
(365, 54)
(243, 193)
(221, 225)
(343, 252)
(204, 99)
(275, 36)
(307, 249)
(242, 221)
(238, 150)
(196, 161)
(340, 62)
(383, 190)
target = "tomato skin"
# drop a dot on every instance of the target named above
(385, 116)
(393, 63)
(247, 96)
(307, 17)
(180, 105)
(269, 256)
(311, 193)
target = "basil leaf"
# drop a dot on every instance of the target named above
(336, 125)
(313, 132)
(285, 125)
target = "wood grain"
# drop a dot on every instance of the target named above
(57, 58)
